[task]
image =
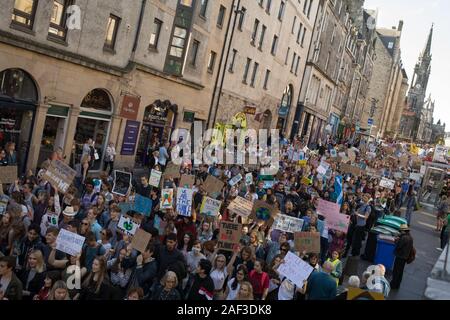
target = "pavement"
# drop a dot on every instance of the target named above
(415, 275)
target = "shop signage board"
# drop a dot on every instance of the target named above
(130, 107)
(130, 138)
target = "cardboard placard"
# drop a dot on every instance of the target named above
(241, 207)
(122, 183)
(387, 183)
(213, 186)
(59, 175)
(166, 199)
(404, 160)
(127, 225)
(172, 171)
(184, 201)
(229, 235)
(307, 241)
(69, 242)
(326, 208)
(249, 179)
(287, 223)
(143, 205)
(187, 181)
(306, 180)
(346, 168)
(8, 174)
(140, 240)
(295, 269)
(210, 206)
(360, 294)
(302, 163)
(263, 211)
(155, 178)
(351, 155)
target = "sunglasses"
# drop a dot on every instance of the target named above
(85, 223)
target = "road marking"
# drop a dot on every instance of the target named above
(426, 225)
(427, 214)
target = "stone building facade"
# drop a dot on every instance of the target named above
(387, 88)
(129, 73)
(265, 59)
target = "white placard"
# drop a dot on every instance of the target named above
(387, 183)
(184, 201)
(295, 269)
(322, 170)
(210, 206)
(235, 180)
(249, 178)
(415, 176)
(286, 223)
(69, 242)
(155, 178)
(127, 225)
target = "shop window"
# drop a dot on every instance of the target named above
(97, 99)
(18, 84)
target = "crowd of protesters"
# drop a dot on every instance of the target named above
(182, 261)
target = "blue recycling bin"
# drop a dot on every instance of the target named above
(385, 254)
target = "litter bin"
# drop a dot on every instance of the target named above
(385, 254)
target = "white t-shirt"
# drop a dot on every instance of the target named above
(287, 290)
(218, 278)
(232, 294)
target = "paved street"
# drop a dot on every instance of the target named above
(426, 240)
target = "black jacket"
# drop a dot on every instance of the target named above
(404, 246)
(166, 259)
(201, 284)
(34, 285)
(14, 289)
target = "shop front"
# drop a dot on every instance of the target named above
(158, 124)
(54, 132)
(18, 103)
(285, 106)
(93, 122)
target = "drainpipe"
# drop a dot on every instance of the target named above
(214, 106)
(138, 30)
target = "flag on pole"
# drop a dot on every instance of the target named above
(339, 190)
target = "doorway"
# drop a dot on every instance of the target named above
(53, 136)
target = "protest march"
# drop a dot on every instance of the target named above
(217, 232)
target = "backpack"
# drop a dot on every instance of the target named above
(412, 256)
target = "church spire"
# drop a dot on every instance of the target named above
(427, 51)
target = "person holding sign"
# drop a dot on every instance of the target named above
(362, 215)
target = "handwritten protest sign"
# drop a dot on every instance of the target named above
(302, 163)
(326, 208)
(263, 211)
(307, 241)
(346, 168)
(210, 206)
(249, 179)
(295, 269)
(172, 171)
(97, 185)
(8, 174)
(287, 223)
(322, 170)
(122, 182)
(140, 240)
(387, 183)
(398, 175)
(351, 155)
(235, 180)
(59, 175)
(187, 181)
(184, 201)
(415, 176)
(338, 222)
(166, 199)
(127, 225)
(69, 242)
(53, 220)
(213, 186)
(241, 207)
(155, 178)
(229, 235)
(143, 205)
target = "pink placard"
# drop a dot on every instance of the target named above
(326, 208)
(338, 222)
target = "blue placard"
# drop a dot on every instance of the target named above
(143, 205)
(125, 207)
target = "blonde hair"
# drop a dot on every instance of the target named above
(40, 265)
(58, 285)
(169, 274)
(250, 291)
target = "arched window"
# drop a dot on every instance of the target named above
(286, 101)
(97, 99)
(18, 84)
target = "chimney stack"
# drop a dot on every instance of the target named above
(400, 25)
